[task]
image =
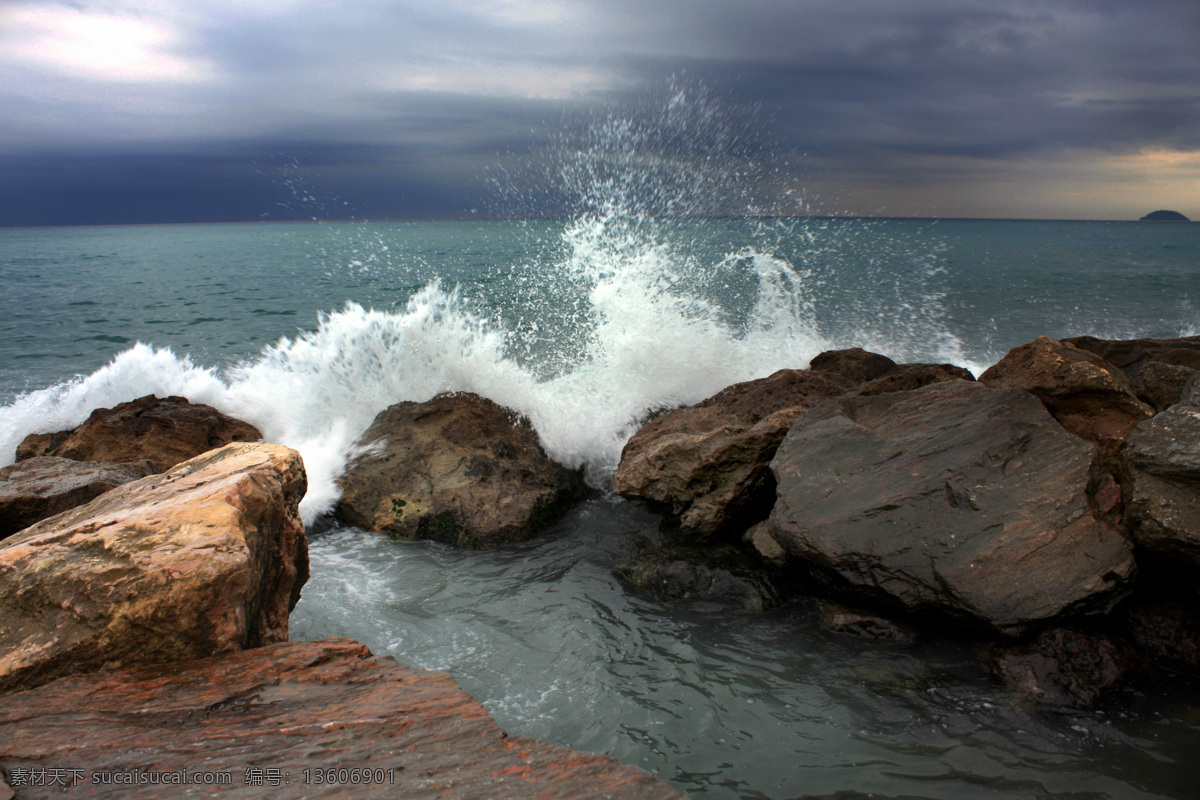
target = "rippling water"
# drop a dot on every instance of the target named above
(722, 702)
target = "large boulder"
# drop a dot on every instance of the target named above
(1160, 475)
(1157, 369)
(705, 467)
(458, 469)
(166, 431)
(206, 558)
(297, 719)
(1087, 395)
(958, 497)
(41, 487)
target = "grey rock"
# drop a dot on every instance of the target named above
(957, 497)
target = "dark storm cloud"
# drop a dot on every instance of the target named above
(430, 98)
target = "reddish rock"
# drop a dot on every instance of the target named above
(1064, 667)
(459, 469)
(1156, 368)
(1089, 396)
(41, 487)
(958, 497)
(165, 431)
(206, 558)
(855, 364)
(907, 377)
(286, 721)
(705, 467)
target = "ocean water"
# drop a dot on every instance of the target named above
(587, 325)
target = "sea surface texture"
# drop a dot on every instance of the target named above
(587, 326)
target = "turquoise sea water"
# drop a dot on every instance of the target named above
(586, 326)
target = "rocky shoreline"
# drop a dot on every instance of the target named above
(1049, 510)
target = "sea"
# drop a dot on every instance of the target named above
(587, 325)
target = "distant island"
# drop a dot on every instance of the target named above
(1164, 216)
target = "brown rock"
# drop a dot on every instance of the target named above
(1089, 396)
(458, 469)
(839, 619)
(957, 497)
(41, 487)
(41, 444)
(855, 364)
(296, 719)
(206, 558)
(1160, 475)
(165, 431)
(1065, 667)
(1161, 385)
(705, 467)
(907, 377)
(1130, 354)
(1135, 356)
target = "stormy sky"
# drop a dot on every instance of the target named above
(138, 111)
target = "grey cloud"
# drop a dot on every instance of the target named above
(853, 86)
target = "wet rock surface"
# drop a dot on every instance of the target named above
(459, 469)
(284, 721)
(705, 467)
(1155, 367)
(669, 568)
(166, 431)
(907, 377)
(1065, 667)
(1160, 475)
(43, 486)
(840, 619)
(206, 558)
(1090, 397)
(960, 498)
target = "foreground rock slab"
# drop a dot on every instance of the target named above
(458, 469)
(705, 467)
(298, 719)
(41, 487)
(166, 431)
(958, 497)
(207, 558)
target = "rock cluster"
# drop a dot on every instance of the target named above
(1034, 504)
(148, 618)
